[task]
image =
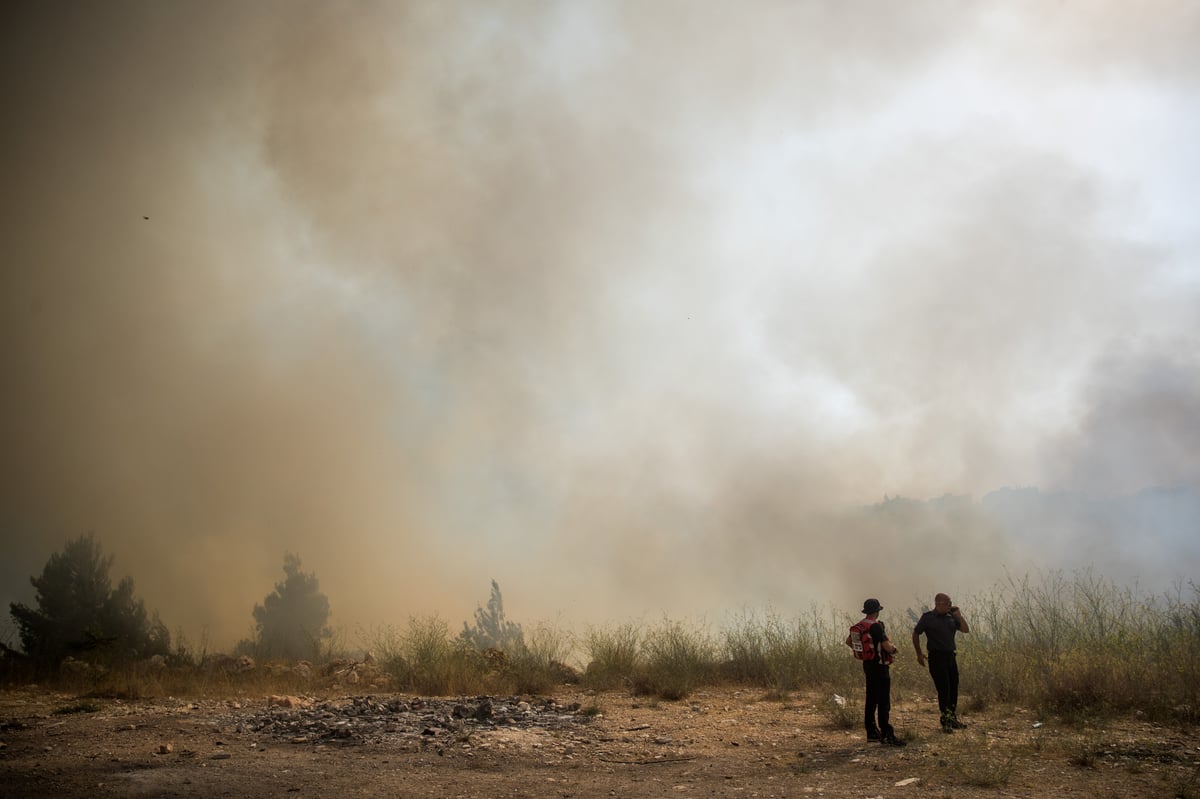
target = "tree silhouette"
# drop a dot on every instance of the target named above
(492, 630)
(79, 613)
(291, 621)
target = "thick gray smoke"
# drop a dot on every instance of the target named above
(635, 307)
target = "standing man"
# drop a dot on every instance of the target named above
(870, 643)
(939, 626)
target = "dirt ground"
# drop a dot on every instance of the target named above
(717, 742)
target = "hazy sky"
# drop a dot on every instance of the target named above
(622, 304)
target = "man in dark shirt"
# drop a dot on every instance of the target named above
(939, 626)
(876, 652)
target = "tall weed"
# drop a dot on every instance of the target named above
(1084, 646)
(677, 657)
(614, 655)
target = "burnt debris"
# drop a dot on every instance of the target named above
(370, 720)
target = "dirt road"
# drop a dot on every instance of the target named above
(721, 742)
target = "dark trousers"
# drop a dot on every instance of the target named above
(943, 668)
(879, 698)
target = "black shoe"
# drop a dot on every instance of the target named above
(947, 727)
(957, 725)
(873, 735)
(892, 740)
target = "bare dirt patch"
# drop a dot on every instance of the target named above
(718, 742)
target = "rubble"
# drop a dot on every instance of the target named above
(371, 720)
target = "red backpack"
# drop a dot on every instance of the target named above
(864, 645)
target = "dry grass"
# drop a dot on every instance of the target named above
(1078, 649)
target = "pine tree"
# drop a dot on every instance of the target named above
(291, 622)
(492, 630)
(78, 613)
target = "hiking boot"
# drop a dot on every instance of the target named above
(947, 727)
(873, 735)
(891, 740)
(957, 725)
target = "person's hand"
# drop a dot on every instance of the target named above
(955, 612)
(921, 658)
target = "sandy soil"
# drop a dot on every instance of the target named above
(718, 742)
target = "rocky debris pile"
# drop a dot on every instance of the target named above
(367, 719)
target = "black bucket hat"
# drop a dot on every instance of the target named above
(871, 606)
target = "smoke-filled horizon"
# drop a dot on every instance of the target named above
(627, 305)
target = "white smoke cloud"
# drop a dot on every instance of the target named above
(626, 305)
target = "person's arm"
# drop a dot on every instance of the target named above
(919, 628)
(917, 646)
(882, 642)
(963, 627)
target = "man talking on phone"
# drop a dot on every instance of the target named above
(939, 626)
